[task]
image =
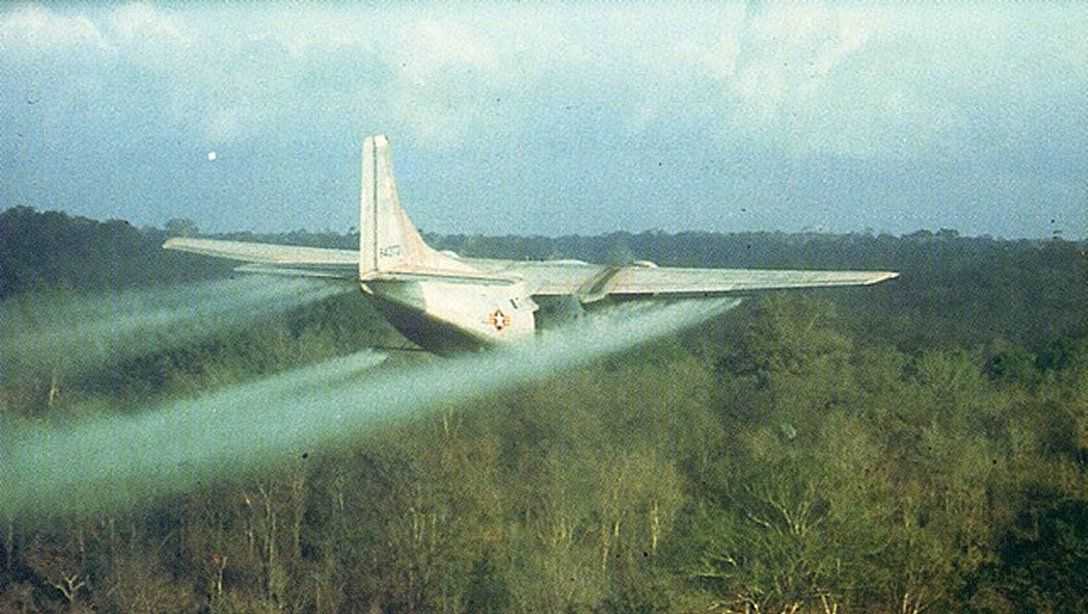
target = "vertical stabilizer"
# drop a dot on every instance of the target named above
(388, 241)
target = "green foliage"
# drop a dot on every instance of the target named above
(920, 445)
(1014, 365)
(1040, 562)
(40, 250)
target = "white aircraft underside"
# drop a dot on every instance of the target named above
(445, 303)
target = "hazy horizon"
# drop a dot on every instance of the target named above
(574, 119)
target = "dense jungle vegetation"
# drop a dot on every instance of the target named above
(921, 445)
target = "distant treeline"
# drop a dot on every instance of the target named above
(1001, 286)
(49, 250)
(917, 446)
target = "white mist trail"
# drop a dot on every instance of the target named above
(121, 461)
(117, 461)
(84, 331)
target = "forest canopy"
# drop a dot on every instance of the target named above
(921, 445)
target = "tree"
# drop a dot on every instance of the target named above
(1041, 560)
(181, 227)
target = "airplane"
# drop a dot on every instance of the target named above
(446, 303)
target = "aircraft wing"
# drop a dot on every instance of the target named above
(640, 280)
(592, 283)
(276, 259)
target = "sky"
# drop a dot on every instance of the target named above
(550, 119)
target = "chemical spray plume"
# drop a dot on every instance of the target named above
(73, 333)
(122, 461)
(170, 449)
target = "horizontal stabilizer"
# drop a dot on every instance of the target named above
(309, 261)
(341, 273)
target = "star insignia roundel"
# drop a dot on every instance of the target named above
(498, 319)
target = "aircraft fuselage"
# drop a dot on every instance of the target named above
(454, 316)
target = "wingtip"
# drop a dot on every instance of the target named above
(883, 276)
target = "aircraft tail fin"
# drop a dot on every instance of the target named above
(388, 241)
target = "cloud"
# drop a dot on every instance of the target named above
(31, 26)
(443, 76)
(785, 81)
(428, 48)
(35, 26)
(138, 22)
(589, 88)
